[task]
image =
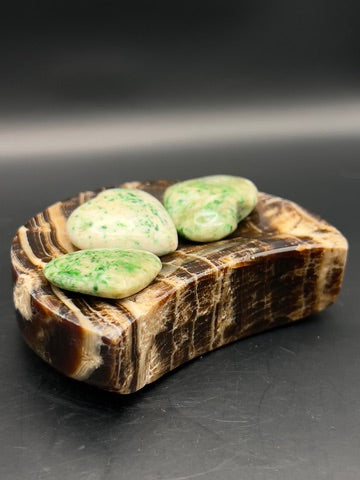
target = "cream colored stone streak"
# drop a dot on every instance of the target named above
(59, 221)
(91, 344)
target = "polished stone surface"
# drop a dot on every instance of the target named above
(123, 218)
(109, 273)
(282, 264)
(209, 208)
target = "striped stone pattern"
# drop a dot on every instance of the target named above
(281, 265)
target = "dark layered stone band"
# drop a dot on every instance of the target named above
(281, 265)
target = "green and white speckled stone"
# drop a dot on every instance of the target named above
(123, 218)
(109, 273)
(209, 208)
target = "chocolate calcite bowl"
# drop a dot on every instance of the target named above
(280, 265)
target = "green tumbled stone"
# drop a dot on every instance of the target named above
(209, 208)
(109, 273)
(123, 218)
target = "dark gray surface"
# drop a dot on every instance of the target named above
(284, 404)
(125, 55)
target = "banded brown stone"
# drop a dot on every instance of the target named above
(280, 265)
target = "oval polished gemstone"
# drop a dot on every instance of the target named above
(123, 218)
(109, 273)
(209, 208)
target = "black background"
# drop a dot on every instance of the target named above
(57, 56)
(284, 404)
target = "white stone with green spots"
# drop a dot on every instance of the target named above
(123, 218)
(109, 273)
(207, 209)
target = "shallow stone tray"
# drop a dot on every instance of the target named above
(281, 265)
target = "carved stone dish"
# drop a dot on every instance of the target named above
(281, 265)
